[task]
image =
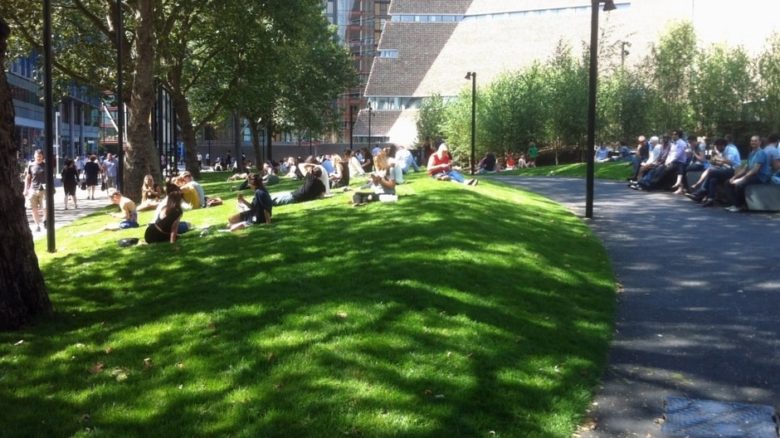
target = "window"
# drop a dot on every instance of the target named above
(388, 53)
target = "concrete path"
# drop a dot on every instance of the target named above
(63, 217)
(700, 312)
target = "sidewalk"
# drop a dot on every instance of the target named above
(63, 217)
(698, 316)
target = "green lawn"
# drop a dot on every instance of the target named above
(457, 311)
(619, 170)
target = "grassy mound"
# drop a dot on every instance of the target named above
(457, 311)
(617, 170)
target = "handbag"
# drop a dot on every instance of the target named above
(83, 185)
(103, 186)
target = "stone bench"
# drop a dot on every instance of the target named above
(759, 197)
(763, 197)
(693, 176)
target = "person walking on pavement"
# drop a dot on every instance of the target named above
(35, 188)
(91, 174)
(109, 169)
(70, 180)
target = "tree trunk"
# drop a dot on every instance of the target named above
(254, 127)
(22, 289)
(187, 132)
(141, 155)
(269, 137)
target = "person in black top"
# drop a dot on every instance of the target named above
(166, 224)
(487, 164)
(70, 180)
(312, 189)
(259, 211)
(92, 171)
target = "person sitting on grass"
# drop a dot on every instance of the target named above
(189, 181)
(602, 154)
(340, 177)
(150, 194)
(511, 164)
(258, 212)
(293, 171)
(440, 167)
(165, 227)
(127, 212)
(312, 189)
(355, 168)
(189, 194)
(487, 164)
(382, 183)
(269, 175)
(522, 163)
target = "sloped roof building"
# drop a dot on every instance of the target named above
(427, 46)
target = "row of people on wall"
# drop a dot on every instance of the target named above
(663, 163)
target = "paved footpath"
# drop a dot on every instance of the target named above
(699, 316)
(63, 217)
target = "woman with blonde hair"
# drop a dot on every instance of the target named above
(382, 183)
(340, 177)
(440, 167)
(150, 194)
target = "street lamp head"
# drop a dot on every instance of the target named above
(609, 5)
(468, 75)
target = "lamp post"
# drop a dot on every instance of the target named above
(609, 5)
(473, 76)
(120, 104)
(48, 128)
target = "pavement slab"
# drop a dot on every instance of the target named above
(699, 314)
(64, 217)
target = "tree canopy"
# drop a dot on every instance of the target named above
(711, 91)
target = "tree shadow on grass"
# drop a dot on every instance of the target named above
(322, 325)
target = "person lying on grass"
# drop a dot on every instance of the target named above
(127, 212)
(382, 183)
(312, 163)
(312, 189)
(259, 211)
(166, 224)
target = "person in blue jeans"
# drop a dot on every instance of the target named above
(757, 171)
(312, 189)
(127, 212)
(776, 169)
(722, 165)
(440, 167)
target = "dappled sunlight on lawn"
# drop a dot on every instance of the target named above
(454, 311)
